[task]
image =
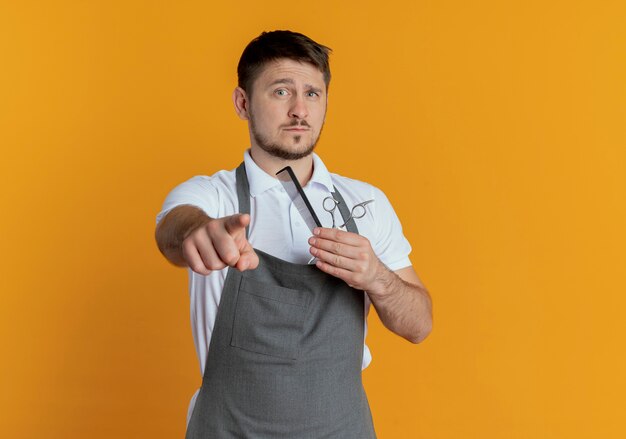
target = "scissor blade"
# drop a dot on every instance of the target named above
(288, 179)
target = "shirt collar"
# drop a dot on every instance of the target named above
(260, 181)
(321, 174)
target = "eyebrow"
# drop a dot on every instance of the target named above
(292, 82)
(282, 81)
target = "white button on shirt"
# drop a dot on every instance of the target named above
(278, 229)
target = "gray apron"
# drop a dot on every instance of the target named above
(285, 354)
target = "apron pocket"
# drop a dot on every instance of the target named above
(269, 319)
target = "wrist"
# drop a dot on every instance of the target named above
(383, 284)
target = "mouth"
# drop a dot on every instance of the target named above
(297, 129)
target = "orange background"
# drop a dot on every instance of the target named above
(497, 130)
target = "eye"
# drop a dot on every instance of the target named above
(281, 92)
(312, 94)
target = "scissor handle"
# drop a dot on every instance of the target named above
(329, 204)
(358, 211)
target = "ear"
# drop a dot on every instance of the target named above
(240, 99)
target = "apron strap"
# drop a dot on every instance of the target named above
(345, 213)
(243, 192)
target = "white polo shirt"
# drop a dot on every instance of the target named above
(277, 228)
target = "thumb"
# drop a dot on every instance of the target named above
(235, 223)
(249, 259)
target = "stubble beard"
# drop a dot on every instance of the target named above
(279, 151)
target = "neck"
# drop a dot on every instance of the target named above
(303, 168)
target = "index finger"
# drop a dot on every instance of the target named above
(337, 235)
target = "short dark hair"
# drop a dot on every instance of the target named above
(271, 46)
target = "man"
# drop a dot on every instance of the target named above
(281, 340)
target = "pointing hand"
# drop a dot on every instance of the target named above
(218, 243)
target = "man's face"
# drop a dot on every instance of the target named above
(287, 109)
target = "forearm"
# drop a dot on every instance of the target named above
(403, 307)
(174, 228)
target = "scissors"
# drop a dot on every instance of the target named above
(358, 211)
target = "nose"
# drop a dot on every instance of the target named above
(298, 108)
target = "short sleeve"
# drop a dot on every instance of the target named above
(198, 191)
(390, 245)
